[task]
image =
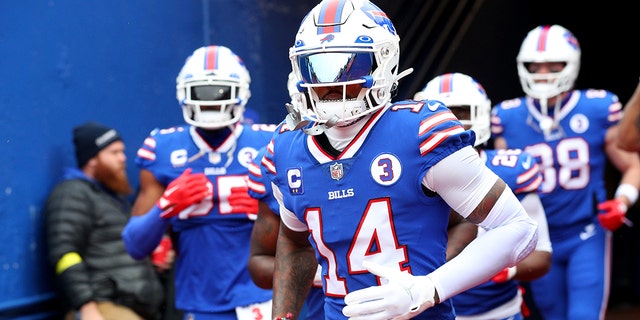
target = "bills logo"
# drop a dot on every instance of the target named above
(339, 194)
(380, 18)
(328, 38)
(573, 42)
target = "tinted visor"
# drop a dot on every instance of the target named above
(335, 66)
(211, 92)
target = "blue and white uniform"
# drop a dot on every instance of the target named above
(368, 201)
(572, 161)
(260, 188)
(212, 245)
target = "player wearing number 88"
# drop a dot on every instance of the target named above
(572, 133)
(382, 248)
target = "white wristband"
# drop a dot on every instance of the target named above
(628, 191)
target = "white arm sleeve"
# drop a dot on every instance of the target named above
(511, 234)
(463, 187)
(533, 206)
(288, 218)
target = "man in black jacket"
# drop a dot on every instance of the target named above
(85, 215)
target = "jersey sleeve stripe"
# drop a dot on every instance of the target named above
(434, 140)
(146, 154)
(527, 175)
(254, 169)
(429, 123)
(531, 187)
(270, 147)
(268, 164)
(150, 142)
(256, 187)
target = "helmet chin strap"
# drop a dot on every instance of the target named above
(294, 117)
(320, 128)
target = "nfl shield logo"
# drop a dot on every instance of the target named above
(336, 171)
(214, 157)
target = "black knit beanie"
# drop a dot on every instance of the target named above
(90, 138)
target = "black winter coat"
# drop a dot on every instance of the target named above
(82, 218)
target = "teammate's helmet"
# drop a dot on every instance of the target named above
(460, 91)
(548, 43)
(348, 43)
(213, 88)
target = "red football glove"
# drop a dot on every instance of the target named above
(162, 256)
(184, 191)
(241, 202)
(613, 215)
(505, 275)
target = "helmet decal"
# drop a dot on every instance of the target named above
(571, 40)
(211, 58)
(445, 83)
(542, 39)
(328, 38)
(379, 17)
(330, 16)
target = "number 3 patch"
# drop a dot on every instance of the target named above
(386, 169)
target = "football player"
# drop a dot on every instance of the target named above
(365, 186)
(500, 297)
(194, 181)
(572, 133)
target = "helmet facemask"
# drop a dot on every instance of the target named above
(341, 85)
(212, 104)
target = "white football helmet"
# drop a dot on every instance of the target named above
(213, 88)
(350, 44)
(548, 43)
(457, 90)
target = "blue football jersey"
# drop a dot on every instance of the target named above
(571, 156)
(213, 243)
(368, 202)
(260, 188)
(520, 172)
(259, 184)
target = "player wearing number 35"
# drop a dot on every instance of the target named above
(365, 185)
(194, 181)
(572, 133)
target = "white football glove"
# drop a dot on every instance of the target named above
(403, 297)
